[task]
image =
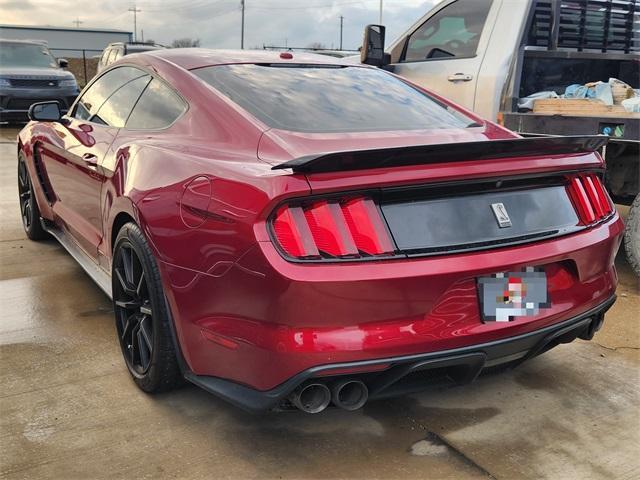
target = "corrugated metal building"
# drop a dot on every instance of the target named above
(67, 42)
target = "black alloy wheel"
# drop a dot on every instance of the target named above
(134, 314)
(142, 315)
(29, 211)
(26, 196)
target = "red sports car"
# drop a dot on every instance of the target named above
(293, 230)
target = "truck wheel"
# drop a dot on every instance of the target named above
(632, 235)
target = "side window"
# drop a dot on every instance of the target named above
(112, 56)
(118, 55)
(452, 32)
(158, 107)
(116, 109)
(105, 55)
(91, 100)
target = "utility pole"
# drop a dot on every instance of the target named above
(135, 11)
(341, 23)
(380, 16)
(242, 26)
(77, 21)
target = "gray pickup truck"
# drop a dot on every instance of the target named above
(487, 55)
(29, 74)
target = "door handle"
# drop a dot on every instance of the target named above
(460, 77)
(90, 159)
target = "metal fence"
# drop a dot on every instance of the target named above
(82, 62)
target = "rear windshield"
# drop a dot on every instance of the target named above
(319, 98)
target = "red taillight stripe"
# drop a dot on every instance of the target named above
(367, 227)
(293, 233)
(602, 195)
(582, 202)
(329, 229)
(598, 209)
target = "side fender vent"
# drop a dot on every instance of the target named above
(43, 179)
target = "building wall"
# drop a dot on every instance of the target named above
(67, 43)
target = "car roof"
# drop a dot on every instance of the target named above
(191, 58)
(26, 41)
(135, 44)
(140, 47)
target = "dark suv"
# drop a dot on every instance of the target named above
(29, 73)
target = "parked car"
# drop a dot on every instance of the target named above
(29, 73)
(115, 51)
(293, 230)
(486, 55)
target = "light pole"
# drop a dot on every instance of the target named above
(135, 10)
(242, 26)
(380, 16)
(341, 21)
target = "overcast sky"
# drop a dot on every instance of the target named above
(217, 22)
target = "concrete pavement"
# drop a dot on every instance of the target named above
(68, 408)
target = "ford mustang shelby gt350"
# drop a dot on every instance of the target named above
(293, 230)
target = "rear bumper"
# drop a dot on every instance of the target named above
(264, 320)
(406, 374)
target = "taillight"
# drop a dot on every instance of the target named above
(589, 198)
(326, 229)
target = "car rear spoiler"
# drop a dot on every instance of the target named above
(444, 152)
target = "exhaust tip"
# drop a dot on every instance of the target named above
(312, 398)
(350, 394)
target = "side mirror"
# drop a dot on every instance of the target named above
(372, 52)
(63, 63)
(45, 112)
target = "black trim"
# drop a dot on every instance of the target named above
(529, 123)
(443, 152)
(572, 54)
(461, 364)
(383, 195)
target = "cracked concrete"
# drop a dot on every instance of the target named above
(69, 410)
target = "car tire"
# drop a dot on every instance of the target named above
(141, 314)
(29, 211)
(632, 235)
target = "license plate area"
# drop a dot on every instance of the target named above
(507, 296)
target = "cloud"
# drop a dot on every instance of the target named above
(16, 5)
(217, 22)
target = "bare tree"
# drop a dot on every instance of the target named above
(185, 42)
(317, 46)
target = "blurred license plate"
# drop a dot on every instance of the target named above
(509, 295)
